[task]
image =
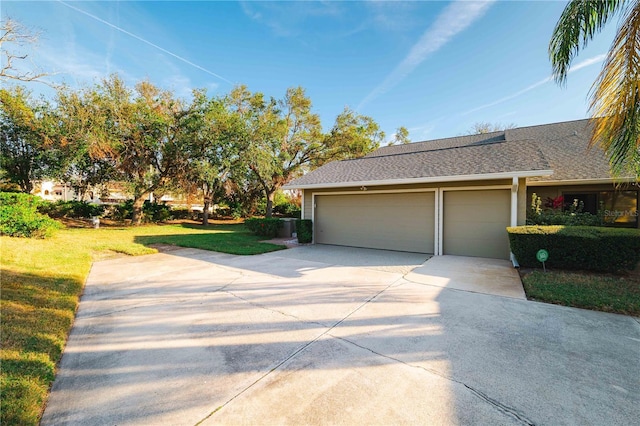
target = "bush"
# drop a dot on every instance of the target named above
(267, 227)
(287, 209)
(151, 211)
(304, 228)
(182, 213)
(155, 212)
(551, 212)
(19, 217)
(121, 211)
(577, 247)
(72, 209)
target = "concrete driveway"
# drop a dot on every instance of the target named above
(306, 337)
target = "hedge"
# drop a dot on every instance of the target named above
(577, 247)
(304, 229)
(19, 217)
(267, 226)
(72, 209)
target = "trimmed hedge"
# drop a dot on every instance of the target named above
(19, 217)
(577, 247)
(304, 228)
(267, 226)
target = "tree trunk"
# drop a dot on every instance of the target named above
(138, 203)
(270, 196)
(205, 211)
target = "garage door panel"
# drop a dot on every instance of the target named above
(474, 223)
(403, 221)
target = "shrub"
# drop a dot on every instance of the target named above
(151, 211)
(551, 213)
(304, 228)
(72, 209)
(121, 211)
(19, 217)
(182, 213)
(287, 209)
(267, 227)
(155, 212)
(577, 247)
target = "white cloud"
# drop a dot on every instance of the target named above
(456, 17)
(588, 62)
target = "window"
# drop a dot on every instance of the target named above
(619, 208)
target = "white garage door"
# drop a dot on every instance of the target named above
(402, 221)
(474, 223)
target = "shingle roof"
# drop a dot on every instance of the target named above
(561, 147)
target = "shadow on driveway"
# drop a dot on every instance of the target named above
(191, 336)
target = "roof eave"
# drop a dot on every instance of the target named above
(581, 181)
(435, 179)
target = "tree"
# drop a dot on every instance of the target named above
(615, 95)
(352, 136)
(400, 137)
(481, 128)
(283, 138)
(77, 166)
(25, 148)
(143, 132)
(18, 36)
(216, 138)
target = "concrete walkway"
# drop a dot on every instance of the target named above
(193, 337)
(475, 274)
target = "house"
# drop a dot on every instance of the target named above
(457, 195)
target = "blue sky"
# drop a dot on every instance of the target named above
(434, 67)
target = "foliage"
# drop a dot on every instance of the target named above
(577, 247)
(181, 213)
(304, 230)
(25, 149)
(41, 284)
(152, 212)
(481, 128)
(142, 133)
(400, 137)
(217, 134)
(615, 95)
(19, 217)
(266, 227)
(352, 136)
(71, 209)
(554, 213)
(233, 149)
(600, 292)
(283, 137)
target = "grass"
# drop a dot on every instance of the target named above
(588, 290)
(41, 283)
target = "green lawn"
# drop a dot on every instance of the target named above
(41, 283)
(599, 292)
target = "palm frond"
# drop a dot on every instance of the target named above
(579, 22)
(615, 98)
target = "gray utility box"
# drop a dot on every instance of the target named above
(288, 227)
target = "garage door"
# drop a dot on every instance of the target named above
(403, 222)
(474, 223)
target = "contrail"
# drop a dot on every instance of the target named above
(583, 64)
(145, 41)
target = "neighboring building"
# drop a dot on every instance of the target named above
(457, 195)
